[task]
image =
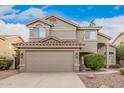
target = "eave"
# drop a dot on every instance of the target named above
(90, 28)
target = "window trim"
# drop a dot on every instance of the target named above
(89, 39)
(36, 31)
(44, 31)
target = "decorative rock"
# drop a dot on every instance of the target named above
(103, 86)
(91, 76)
(88, 69)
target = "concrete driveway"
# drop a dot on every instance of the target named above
(43, 80)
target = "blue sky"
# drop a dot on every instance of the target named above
(75, 12)
(14, 18)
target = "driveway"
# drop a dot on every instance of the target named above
(43, 80)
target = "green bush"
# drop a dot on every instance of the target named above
(94, 61)
(5, 64)
(120, 52)
(122, 71)
(115, 66)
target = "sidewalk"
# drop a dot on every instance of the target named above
(6, 73)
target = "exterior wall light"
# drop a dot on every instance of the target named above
(21, 55)
(76, 55)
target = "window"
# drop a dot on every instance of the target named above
(111, 58)
(42, 32)
(90, 35)
(38, 32)
(34, 32)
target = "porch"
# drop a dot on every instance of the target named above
(109, 51)
(102, 48)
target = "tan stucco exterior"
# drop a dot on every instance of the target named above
(103, 38)
(7, 50)
(63, 30)
(64, 57)
(118, 40)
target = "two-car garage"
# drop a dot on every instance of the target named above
(49, 55)
(49, 61)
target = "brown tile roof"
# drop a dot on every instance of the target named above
(11, 36)
(50, 42)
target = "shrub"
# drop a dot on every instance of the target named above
(122, 71)
(94, 61)
(120, 52)
(115, 66)
(5, 64)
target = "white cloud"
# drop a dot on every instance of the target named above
(7, 9)
(8, 13)
(111, 26)
(25, 15)
(14, 29)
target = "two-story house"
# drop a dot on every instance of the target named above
(57, 44)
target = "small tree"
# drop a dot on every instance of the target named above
(120, 52)
(17, 52)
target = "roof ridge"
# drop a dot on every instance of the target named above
(61, 18)
(38, 19)
(121, 33)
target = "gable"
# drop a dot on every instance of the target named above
(59, 22)
(50, 39)
(103, 38)
(119, 39)
(36, 22)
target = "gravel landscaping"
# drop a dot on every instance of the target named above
(7, 73)
(113, 80)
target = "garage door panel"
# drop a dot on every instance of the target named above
(49, 61)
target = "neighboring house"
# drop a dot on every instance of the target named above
(7, 50)
(57, 44)
(119, 39)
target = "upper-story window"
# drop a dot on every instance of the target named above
(38, 32)
(42, 32)
(90, 35)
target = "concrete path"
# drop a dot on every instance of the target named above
(43, 80)
(7, 73)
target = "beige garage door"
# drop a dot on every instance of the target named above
(48, 61)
